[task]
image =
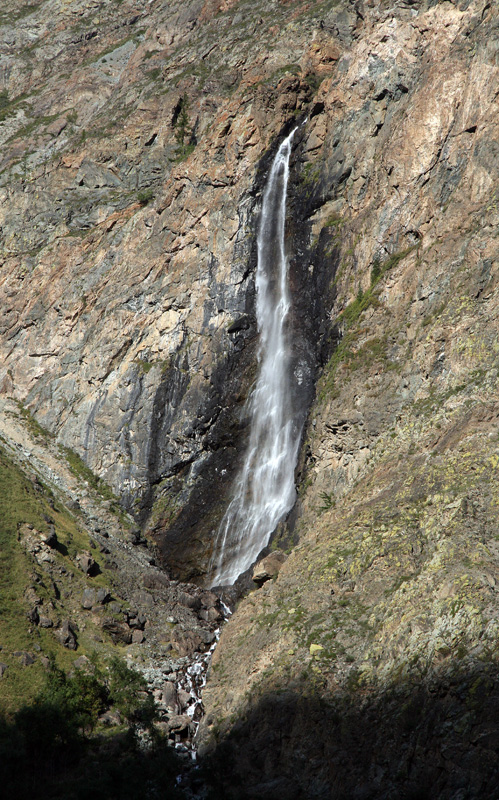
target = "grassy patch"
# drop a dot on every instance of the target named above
(35, 429)
(83, 472)
(30, 502)
(345, 352)
(28, 129)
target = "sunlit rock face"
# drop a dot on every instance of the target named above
(129, 256)
(128, 327)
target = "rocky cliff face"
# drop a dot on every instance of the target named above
(128, 256)
(128, 330)
(372, 660)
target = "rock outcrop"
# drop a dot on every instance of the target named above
(136, 139)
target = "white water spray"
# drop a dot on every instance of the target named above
(264, 490)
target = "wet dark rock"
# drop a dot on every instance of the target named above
(241, 324)
(118, 631)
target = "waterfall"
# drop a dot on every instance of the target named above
(264, 490)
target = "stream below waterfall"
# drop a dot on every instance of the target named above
(264, 491)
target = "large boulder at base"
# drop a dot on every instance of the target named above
(268, 567)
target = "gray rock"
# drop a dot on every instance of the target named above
(3, 669)
(184, 699)
(66, 635)
(103, 596)
(169, 695)
(86, 563)
(179, 724)
(50, 538)
(81, 663)
(189, 601)
(88, 598)
(24, 657)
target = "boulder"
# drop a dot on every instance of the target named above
(50, 538)
(156, 580)
(179, 723)
(187, 642)
(118, 631)
(268, 567)
(25, 658)
(103, 596)
(66, 635)
(86, 563)
(3, 669)
(169, 695)
(88, 598)
(189, 601)
(81, 663)
(184, 699)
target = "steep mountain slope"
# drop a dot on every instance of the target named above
(136, 140)
(128, 327)
(369, 667)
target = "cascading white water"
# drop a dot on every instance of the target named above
(264, 490)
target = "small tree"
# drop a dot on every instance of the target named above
(182, 125)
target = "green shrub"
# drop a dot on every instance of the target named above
(145, 196)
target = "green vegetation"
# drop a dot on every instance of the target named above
(183, 130)
(29, 502)
(374, 349)
(154, 74)
(182, 124)
(33, 426)
(28, 129)
(9, 17)
(328, 501)
(4, 100)
(56, 748)
(80, 470)
(144, 197)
